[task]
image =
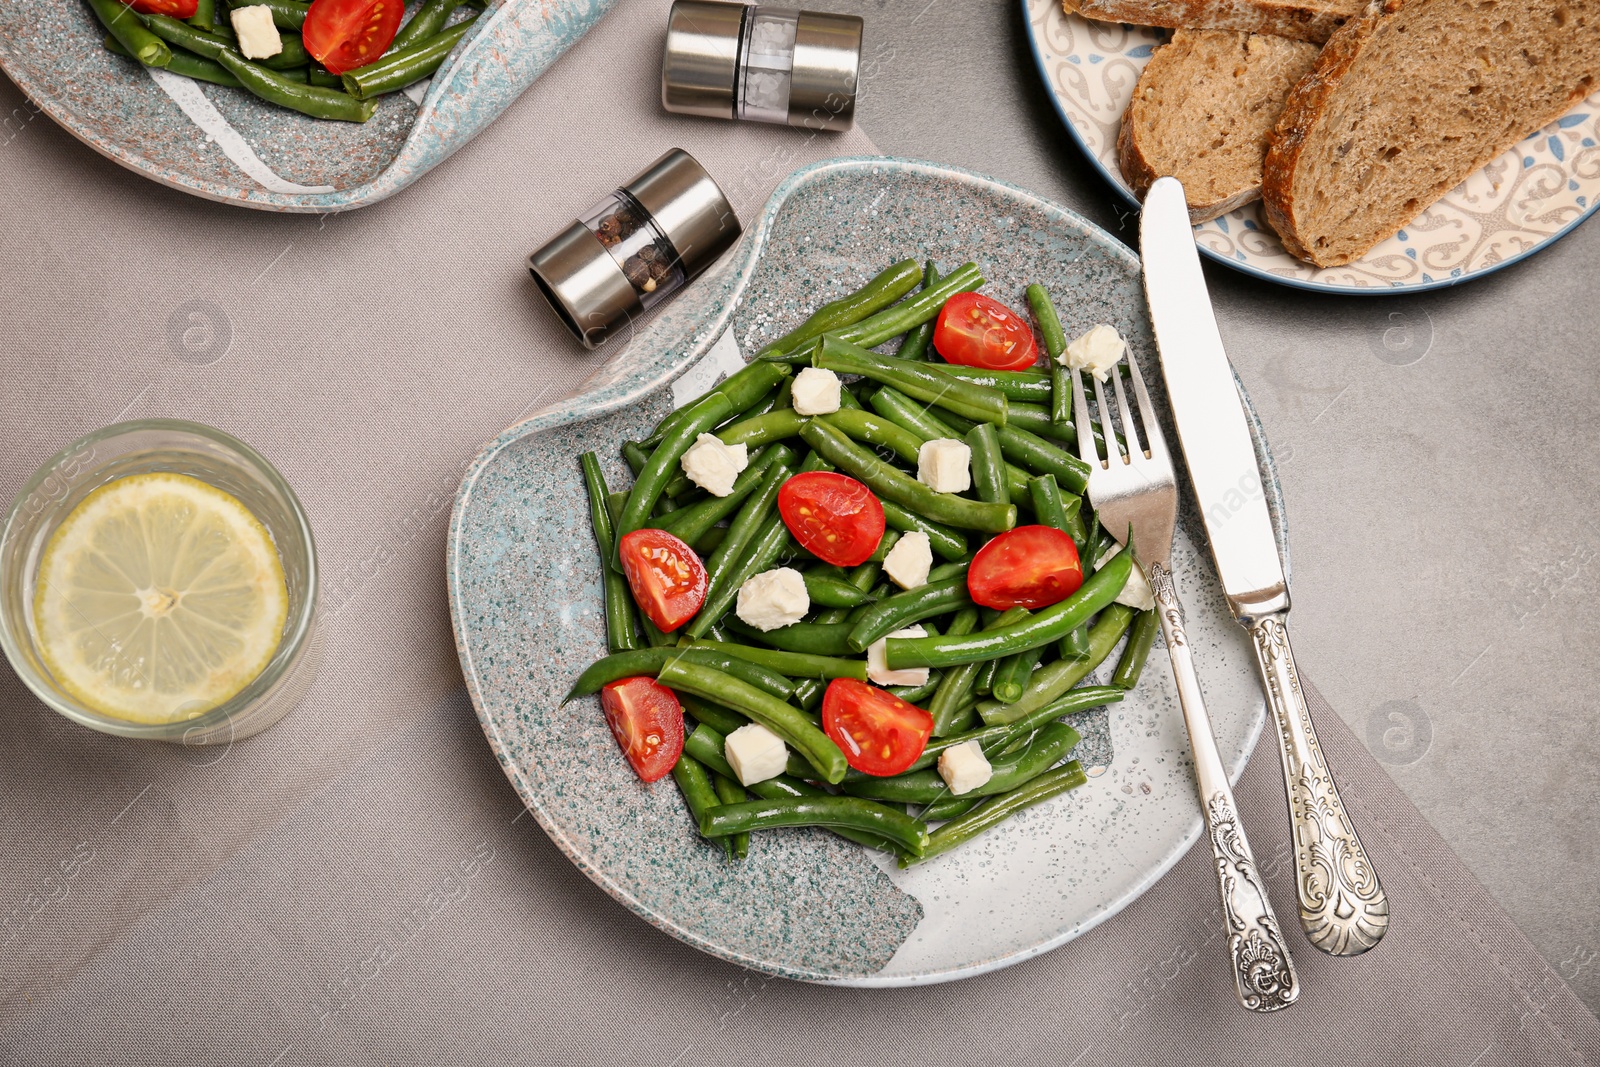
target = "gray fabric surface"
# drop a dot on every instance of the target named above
(358, 884)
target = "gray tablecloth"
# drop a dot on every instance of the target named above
(359, 883)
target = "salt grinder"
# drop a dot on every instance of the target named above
(761, 64)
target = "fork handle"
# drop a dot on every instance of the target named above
(1343, 908)
(1263, 974)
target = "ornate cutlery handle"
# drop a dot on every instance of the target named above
(1263, 973)
(1343, 909)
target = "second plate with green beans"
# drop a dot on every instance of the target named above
(839, 868)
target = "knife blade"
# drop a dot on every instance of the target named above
(1343, 908)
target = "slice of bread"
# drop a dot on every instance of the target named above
(1304, 20)
(1409, 99)
(1203, 111)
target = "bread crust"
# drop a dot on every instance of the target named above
(1303, 112)
(1300, 113)
(1302, 21)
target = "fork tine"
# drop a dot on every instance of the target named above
(1080, 416)
(1155, 442)
(1113, 446)
(1130, 431)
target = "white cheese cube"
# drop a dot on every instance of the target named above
(815, 392)
(755, 753)
(1136, 592)
(909, 561)
(878, 670)
(964, 767)
(773, 598)
(1096, 351)
(712, 465)
(258, 37)
(945, 465)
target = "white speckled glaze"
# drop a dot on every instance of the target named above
(524, 578)
(1529, 197)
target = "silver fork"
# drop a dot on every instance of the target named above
(1138, 490)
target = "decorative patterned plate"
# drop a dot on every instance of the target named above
(224, 144)
(1525, 200)
(524, 581)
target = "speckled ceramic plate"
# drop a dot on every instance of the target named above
(524, 580)
(1525, 200)
(224, 144)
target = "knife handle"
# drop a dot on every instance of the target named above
(1343, 908)
(1263, 973)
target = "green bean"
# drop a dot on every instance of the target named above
(429, 20)
(743, 388)
(1075, 645)
(808, 693)
(946, 542)
(205, 14)
(907, 607)
(1051, 510)
(636, 456)
(917, 380)
(1046, 625)
(1054, 679)
(833, 593)
(205, 43)
(132, 33)
(696, 786)
(988, 468)
(317, 74)
(863, 578)
(983, 684)
(723, 720)
(879, 293)
(654, 475)
(730, 791)
(1141, 637)
(896, 320)
(1049, 745)
(649, 661)
(954, 688)
(396, 70)
(793, 664)
(758, 430)
(1011, 676)
(692, 522)
(1034, 453)
(186, 64)
(1055, 342)
(890, 483)
(851, 813)
(871, 429)
(915, 346)
(620, 634)
(286, 14)
(310, 100)
(946, 808)
(908, 414)
(1019, 386)
(786, 721)
(291, 54)
(812, 638)
(960, 830)
(916, 694)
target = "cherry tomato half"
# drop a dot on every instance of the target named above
(1028, 567)
(345, 34)
(879, 733)
(178, 9)
(975, 331)
(667, 578)
(647, 721)
(835, 518)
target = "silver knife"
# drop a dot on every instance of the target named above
(1343, 909)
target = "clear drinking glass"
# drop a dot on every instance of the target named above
(211, 456)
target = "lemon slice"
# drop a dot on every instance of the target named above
(159, 598)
